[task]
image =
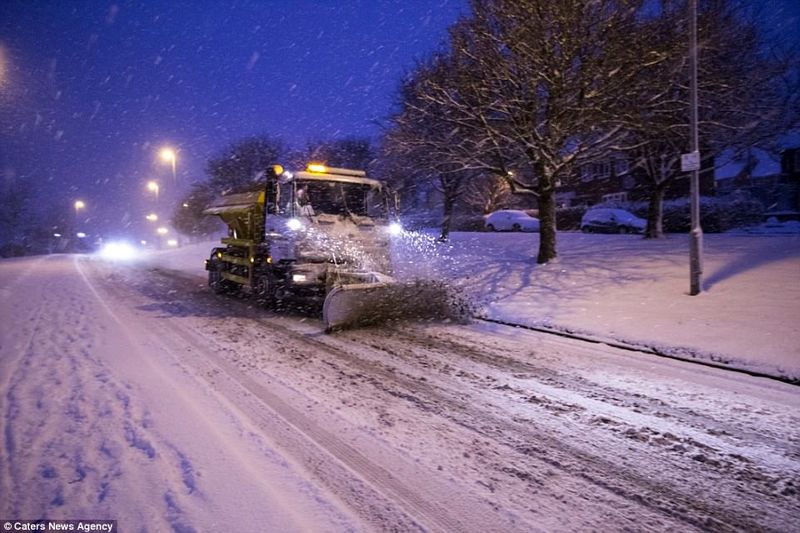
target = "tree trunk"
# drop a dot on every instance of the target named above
(655, 213)
(449, 202)
(547, 225)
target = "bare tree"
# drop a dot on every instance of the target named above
(351, 152)
(426, 144)
(244, 163)
(528, 90)
(487, 193)
(188, 216)
(16, 216)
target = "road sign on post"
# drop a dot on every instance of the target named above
(690, 162)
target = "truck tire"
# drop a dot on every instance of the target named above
(219, 285)
(265, 291)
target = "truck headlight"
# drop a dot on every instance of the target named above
(395, 228)
(298, 278)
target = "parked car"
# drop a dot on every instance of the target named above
(603, 220)
(511, 220)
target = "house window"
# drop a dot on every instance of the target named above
(616, 197)
(621, 167)
(596, 171)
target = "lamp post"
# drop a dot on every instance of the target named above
(79, 204)
(168, 155)
(696, 233)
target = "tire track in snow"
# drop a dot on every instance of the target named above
(515, 437)
(398, 505)
(767, 482)
(508, 443)
(530, 366)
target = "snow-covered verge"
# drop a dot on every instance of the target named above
(629, 289)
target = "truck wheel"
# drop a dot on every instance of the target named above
(217, 284)
(265, 292)
(623, 229)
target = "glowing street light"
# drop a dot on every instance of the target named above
(162, 230)
(152, 186)
(168, 155)
(79, 204)
(152, 217)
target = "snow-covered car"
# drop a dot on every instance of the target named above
(605, 220)
(511, 220)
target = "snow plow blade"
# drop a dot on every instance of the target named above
(364, 304)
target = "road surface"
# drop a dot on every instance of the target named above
(134, 394)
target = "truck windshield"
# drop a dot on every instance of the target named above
(332, 198)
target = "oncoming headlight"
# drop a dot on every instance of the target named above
(294, 224)
(118, 251)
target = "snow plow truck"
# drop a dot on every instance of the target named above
(321, 233)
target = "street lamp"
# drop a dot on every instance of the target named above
(162, 231)
(152, 217)
(153, 187)
(79, 204)
(168, 155)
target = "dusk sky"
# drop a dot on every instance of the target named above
(92, 90)
(89, 91)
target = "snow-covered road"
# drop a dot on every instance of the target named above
(134, 394)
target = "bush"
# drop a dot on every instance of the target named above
(569, 218)
(467, 223)
(716, 214)
(12, 250)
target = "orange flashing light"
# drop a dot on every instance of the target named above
(316, 167)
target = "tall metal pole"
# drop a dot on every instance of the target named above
(696, 233)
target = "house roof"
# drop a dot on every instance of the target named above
(760, 164)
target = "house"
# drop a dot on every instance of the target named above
(617, 179)
(759, 176)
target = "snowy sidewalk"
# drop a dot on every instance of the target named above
(625, 288)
